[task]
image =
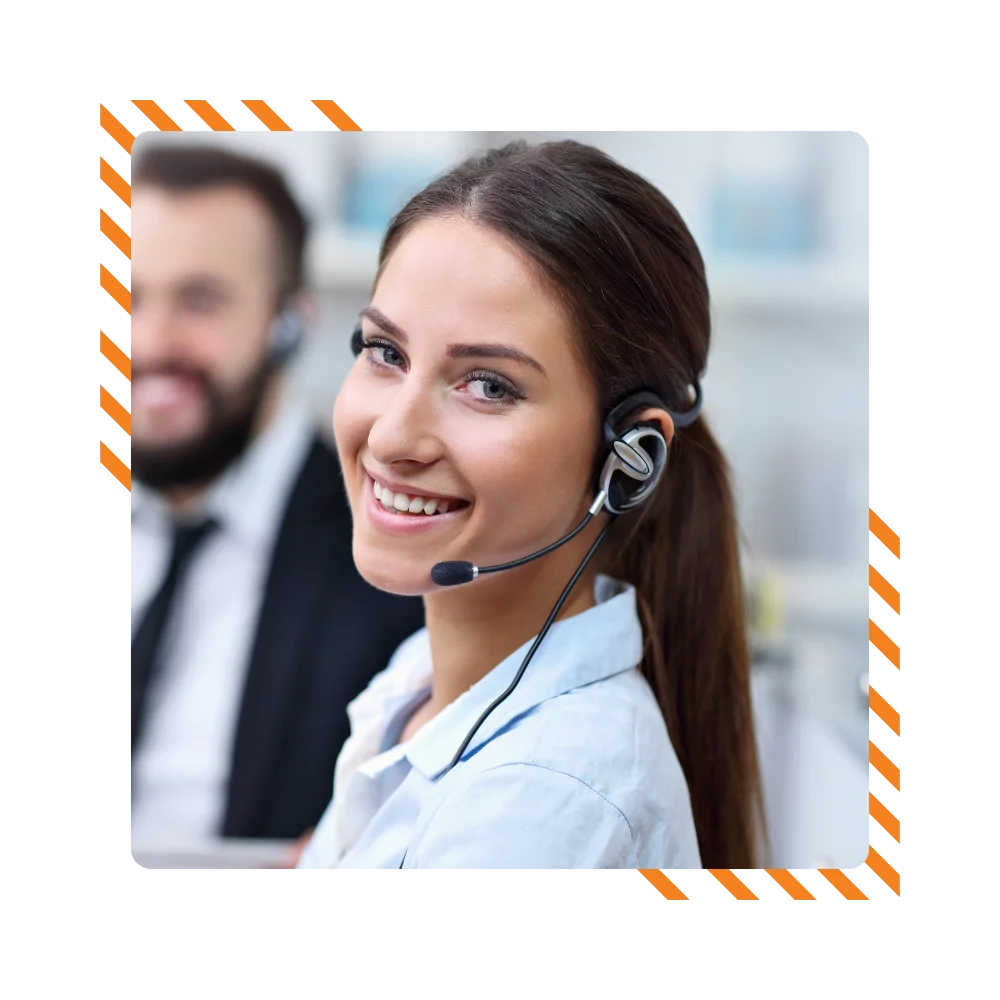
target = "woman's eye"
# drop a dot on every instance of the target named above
(390, 356)
(382, 353)
(493, 389)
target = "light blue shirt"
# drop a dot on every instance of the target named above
(573, 770)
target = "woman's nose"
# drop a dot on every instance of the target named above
(406, 428)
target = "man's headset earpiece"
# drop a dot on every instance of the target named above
(285, 336)
(637, 455)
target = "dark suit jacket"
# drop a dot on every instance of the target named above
(322, 634)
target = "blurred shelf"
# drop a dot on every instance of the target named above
(341, 259)
(794, 288)
(814, 594)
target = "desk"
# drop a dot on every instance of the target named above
(221, 853)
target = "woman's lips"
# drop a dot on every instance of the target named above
(410, 491)
(395, 522)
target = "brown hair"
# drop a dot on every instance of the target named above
(633, 281)
(195, 168)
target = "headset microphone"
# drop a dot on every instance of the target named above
(448, 574)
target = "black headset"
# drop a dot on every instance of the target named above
(637, 455)
(284, 336)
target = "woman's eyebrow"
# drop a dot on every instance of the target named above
(382, 321)
(493, 351)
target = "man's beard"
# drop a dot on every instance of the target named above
(198, 460)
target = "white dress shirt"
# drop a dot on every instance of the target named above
(181, 766)
(574, 769)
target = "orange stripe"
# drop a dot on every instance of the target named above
(883, 765)
(267, 116)
(883, 532)
(883, 817)
(337, 116)
(116, 234)
(883, 588)
(116, 411)
(789, 883)
(116, 466)
(883, 643)
(116, 356)
(841, 883)
(660, 882)
(116, 290)
(732, 883)
(883, 709)
(210, 116)
(116, 130)
(157, 116)
(116, 182)
(883, 869)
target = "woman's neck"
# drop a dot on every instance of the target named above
(475, 627)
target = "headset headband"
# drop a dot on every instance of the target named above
(646, 397)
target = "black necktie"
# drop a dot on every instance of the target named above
(148, 636)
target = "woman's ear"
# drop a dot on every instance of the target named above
(661, 416)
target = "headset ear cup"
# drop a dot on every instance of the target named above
(633, 467)
(285, 336)
(617, 497)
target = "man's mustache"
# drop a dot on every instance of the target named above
(178, 369)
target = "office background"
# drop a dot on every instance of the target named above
(782, 221)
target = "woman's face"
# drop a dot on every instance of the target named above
(470, 401)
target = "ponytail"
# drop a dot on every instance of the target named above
(681, 554)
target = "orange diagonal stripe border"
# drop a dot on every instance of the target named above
(267, 116)
(116, 234)
(661, 883)
(883, 765)
(883, 588)
(841, 883)
(116, 182)
(158, 116)
(732, 883)
(883, 643)
(883, 532)
(116, 466)
(789, 883)
(116, 356)
(883, 817)
(116, 130)
(883, 709)
(338, 116)
(210, 116)
(883, 869)
(116, 411)
(116, 290)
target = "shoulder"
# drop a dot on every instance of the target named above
(607, 739)
(523, 815)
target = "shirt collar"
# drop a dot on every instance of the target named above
(597, 643)
(247, 497)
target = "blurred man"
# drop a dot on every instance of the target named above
(251, 628)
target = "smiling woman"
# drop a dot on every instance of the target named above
(519, 299)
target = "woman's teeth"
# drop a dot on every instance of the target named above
(405, 503)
